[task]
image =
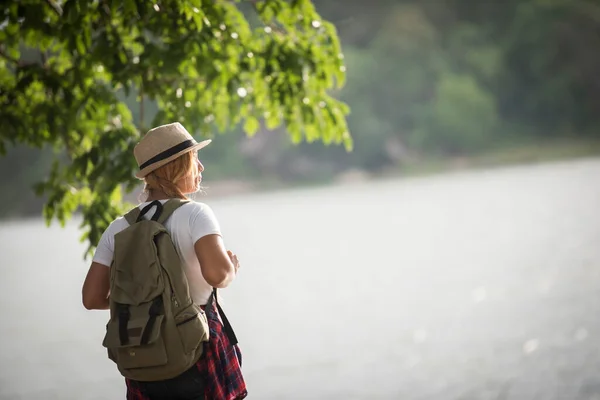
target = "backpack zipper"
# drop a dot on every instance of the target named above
(173, 297)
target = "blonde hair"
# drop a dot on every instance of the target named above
(165, 178)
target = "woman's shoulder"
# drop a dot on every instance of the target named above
(199, 215)
(117, 225)
(196, 207)
(107, 239)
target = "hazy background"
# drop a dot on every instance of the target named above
(396, 271)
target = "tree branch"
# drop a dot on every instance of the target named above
(56, 7)
(44, 57)
(7, 57)
(18, 63)
(141, 108)
(273, 27)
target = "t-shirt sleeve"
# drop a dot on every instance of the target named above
(106, 246)
(203, 222)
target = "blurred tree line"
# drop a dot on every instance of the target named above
(425, 78)
(457, 77)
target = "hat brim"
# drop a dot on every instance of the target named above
(143, 172)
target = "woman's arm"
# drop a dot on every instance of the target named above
(218, 268)
(96, 287)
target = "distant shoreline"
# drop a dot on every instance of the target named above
(507, 156)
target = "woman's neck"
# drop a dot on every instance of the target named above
(157, 195)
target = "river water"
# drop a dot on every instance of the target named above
(473, 285)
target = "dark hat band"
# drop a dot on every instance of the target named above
(169, 152)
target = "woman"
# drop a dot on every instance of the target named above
(169, 166)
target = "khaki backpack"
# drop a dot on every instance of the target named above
(155, 331)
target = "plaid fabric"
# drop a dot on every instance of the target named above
(134, 392)
(220, 365)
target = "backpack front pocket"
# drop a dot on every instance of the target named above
(150, 355)
(143, 347)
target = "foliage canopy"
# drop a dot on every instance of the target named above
(65, 67)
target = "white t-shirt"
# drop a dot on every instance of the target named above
(186, 225)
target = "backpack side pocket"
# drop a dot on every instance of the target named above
(192, 326)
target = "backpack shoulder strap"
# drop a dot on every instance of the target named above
(226, 325)
(169, 207)
(132, 215)
(163, 211)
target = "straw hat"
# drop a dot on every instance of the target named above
(162, 145)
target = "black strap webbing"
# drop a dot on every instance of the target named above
(226, 325)
(159, 209)
(153, 312)
(163, 211)
(123, 312)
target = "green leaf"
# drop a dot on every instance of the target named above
(251, 126)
